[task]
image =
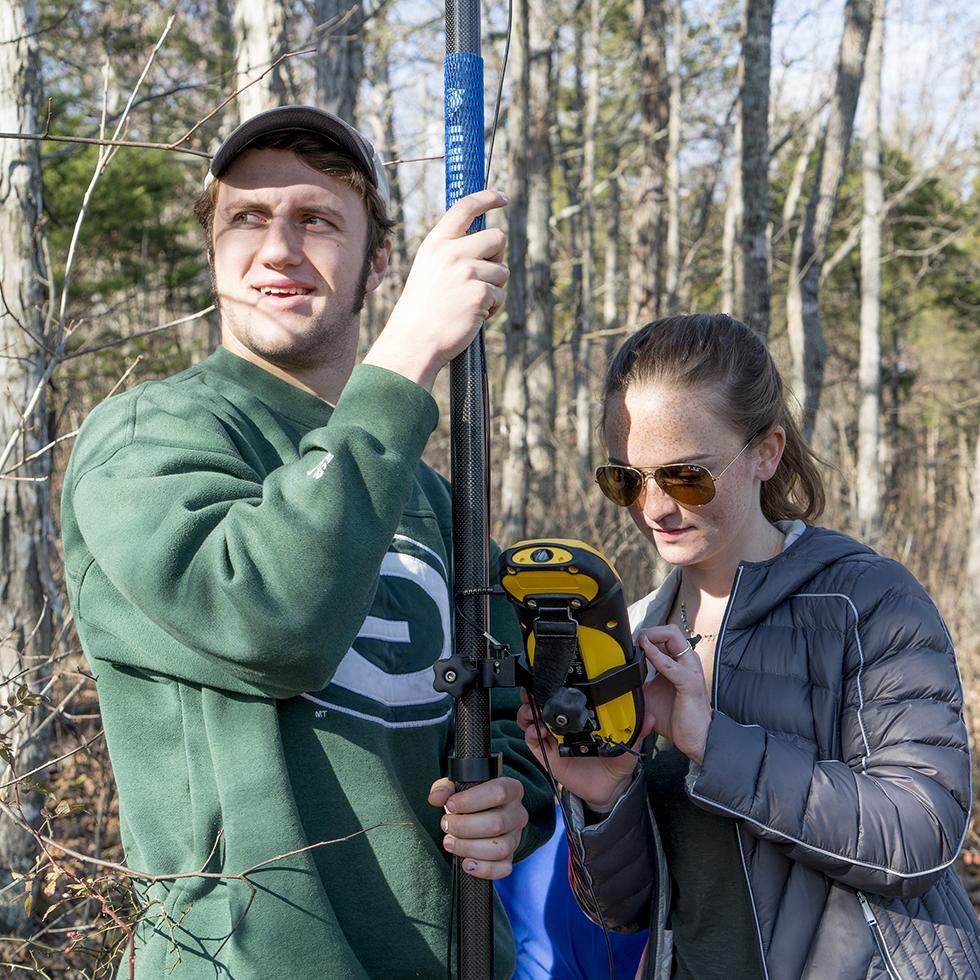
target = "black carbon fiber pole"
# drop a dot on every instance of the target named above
(470, 478)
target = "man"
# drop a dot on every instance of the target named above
(257, 562)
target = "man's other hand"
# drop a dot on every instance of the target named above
(482, 825)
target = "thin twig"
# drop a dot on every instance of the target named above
(94, 141)
(52, 762)
(146, 876)
(40, 452)
(275, 64)
(142, 333)
(126, 374)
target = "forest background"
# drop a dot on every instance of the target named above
(810, 167)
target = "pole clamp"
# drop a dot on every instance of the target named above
(480, 769)
(455, 676)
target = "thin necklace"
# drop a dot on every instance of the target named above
(686, 626)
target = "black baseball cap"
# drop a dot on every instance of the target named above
(308, 119)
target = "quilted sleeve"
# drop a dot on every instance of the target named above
(613, 864)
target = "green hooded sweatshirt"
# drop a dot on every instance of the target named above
(261, 585)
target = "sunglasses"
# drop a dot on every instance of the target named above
(687, 483)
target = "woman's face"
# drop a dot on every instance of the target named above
(652, 425)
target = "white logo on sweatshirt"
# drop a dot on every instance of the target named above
(397, 691)
(357, 673)
(318, 470)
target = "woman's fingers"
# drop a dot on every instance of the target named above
(676, 662)
(669, 639)
(686, 724)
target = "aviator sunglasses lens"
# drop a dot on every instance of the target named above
(686, 484)
(621, 484)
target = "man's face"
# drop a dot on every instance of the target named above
(290, 265)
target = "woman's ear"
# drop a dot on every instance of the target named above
(770, 450)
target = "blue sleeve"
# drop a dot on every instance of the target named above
(554, 939)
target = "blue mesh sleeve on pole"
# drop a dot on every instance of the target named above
(464, 127)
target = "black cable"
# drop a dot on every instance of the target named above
(494, 643)
(500, 89)
(625, 748)
(453, 886)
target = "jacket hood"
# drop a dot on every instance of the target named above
(762, 585)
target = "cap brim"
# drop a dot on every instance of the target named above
(310, 119)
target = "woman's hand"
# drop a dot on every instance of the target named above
(677, 698)
(599, 781)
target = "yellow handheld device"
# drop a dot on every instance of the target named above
(586, 675)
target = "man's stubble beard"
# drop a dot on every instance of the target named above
(319, 344)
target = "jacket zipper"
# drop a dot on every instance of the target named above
(755, 917)
(738, 836)
(721, 638)
(869, 917)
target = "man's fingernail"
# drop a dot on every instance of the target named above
(450, 807)
(506, 199)
(469, 866)
(449, 843)
(444, 825)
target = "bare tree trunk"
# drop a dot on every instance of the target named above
(753, 302)
(381, 73)
(964, 469)
(971, 596)
(260, 35)
(930, 473)
(583, 325)
(223, 54)
(612, 287)
(432, 137)
(25, 630)
(540, 306)
(673, 161)
(514, 470)
(570, 160)
(701, 217)
(382, 300)
(795, 189)
(731, 256)
(890, 449)
(224, 57)
(807, 345)
(646, 278)
(339, 55)
(869, 496)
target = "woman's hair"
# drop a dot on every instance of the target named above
(722, 357)
(320, 156)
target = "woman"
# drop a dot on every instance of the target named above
(807, 788)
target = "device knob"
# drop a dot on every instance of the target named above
(566, 711)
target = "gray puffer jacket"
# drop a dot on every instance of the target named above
(837, 744)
